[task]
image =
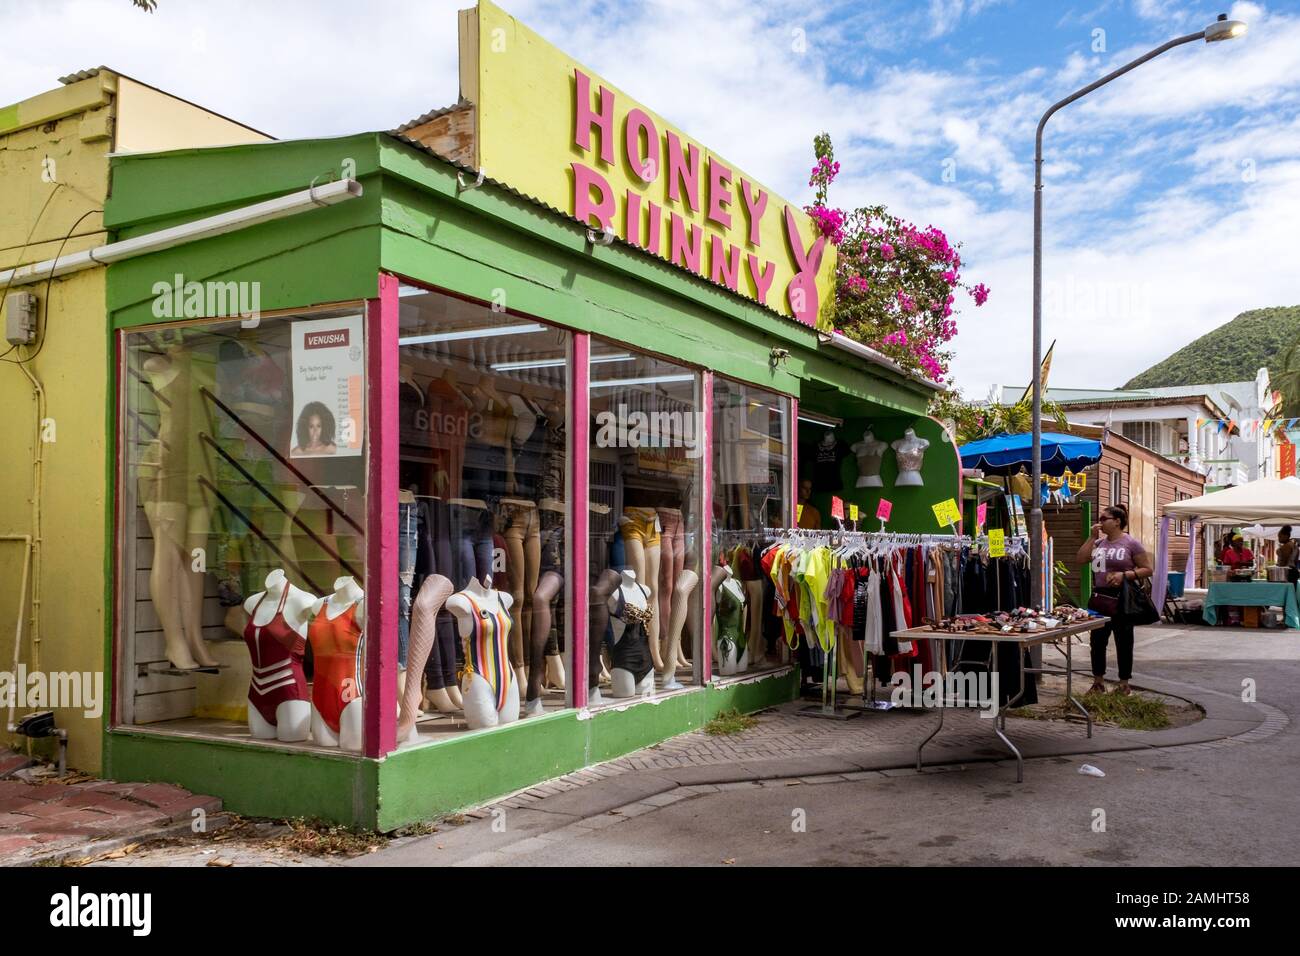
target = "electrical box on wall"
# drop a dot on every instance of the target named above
(20, 318)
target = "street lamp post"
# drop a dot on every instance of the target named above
(1221, 29)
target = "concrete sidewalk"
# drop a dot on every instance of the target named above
(788, 749)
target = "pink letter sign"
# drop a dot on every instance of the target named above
(981, 513)
(837, 508)
(884, 509)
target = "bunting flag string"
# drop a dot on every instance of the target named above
(1249, 426)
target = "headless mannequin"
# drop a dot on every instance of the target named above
(681, 604)
(555, 677)
(424, 615)
(351, 735)
(643, 560)
(164, 490)
(730, 659)
(548, 588)
(909, 450)
(869, 453)
(292, 717)
(601, 592)
(480, 699)
(623, 683)
(523, 555)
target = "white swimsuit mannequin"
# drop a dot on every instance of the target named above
(728, 662)
(622, 683)
(480, 701)
(351, 735)
(910, 450)
(292, 717)
(869, 453)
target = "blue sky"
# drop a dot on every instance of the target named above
(1172, 196)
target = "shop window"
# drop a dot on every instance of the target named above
(751, 492)
(646, 450)
(482, 514)
(244, 489)
(1116, 487)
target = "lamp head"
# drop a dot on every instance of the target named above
(1224, 29)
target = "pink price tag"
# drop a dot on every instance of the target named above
(884, 509)
(837, 508)
(981, 513)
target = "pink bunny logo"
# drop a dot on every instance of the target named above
(801, 292)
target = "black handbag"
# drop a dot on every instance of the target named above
(1135, 605)
(1107, 605)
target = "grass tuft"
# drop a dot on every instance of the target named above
(730, 722)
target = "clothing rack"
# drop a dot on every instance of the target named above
(1016, 545)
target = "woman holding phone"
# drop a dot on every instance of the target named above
(1115, 555)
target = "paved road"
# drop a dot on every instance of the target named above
(1230, 802)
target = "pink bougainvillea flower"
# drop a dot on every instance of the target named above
(981, 294)
(886, 251)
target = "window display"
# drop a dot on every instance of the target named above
(482, 434)
(244, 501)
(751, 482)
(646, 447)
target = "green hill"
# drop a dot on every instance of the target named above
(1231, 353)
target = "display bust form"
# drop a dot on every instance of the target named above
(633, 672)
(488, 686)
(730, 649)
(910, 451)
(870, 452)
(335, 634)
(276, 634)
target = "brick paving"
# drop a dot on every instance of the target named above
(52, 820)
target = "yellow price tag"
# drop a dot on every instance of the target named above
(798, 513)
(997, 543)
(946, 513)
(853, 512)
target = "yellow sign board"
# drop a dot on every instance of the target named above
(946, 513)
(853, 512)
(997, 543)
(557, 132)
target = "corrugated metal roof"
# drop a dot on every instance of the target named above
(462, 104)
(84, 75)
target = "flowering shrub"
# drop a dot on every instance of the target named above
(895, 283)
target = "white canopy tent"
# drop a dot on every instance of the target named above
(1268, 502)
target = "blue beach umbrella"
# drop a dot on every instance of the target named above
(1009, 454)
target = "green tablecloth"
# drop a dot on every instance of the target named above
(1253, 594)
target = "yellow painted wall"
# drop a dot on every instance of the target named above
(75, 127)
(71, 367)
(150, 120)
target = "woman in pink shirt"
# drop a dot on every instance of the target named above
(1115, 555)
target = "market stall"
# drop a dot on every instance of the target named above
(1268, 502)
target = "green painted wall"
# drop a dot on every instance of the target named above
(912, 505)
(424, 782)
(256, 781)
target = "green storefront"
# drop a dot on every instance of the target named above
(362, 379)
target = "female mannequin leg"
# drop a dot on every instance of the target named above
(681, 604)
(424, 615)
(600, 593)
(644, 561)
(548, 588)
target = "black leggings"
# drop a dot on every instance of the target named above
(1123, 631)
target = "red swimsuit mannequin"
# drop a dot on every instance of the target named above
(336, 631)
(276, 631)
